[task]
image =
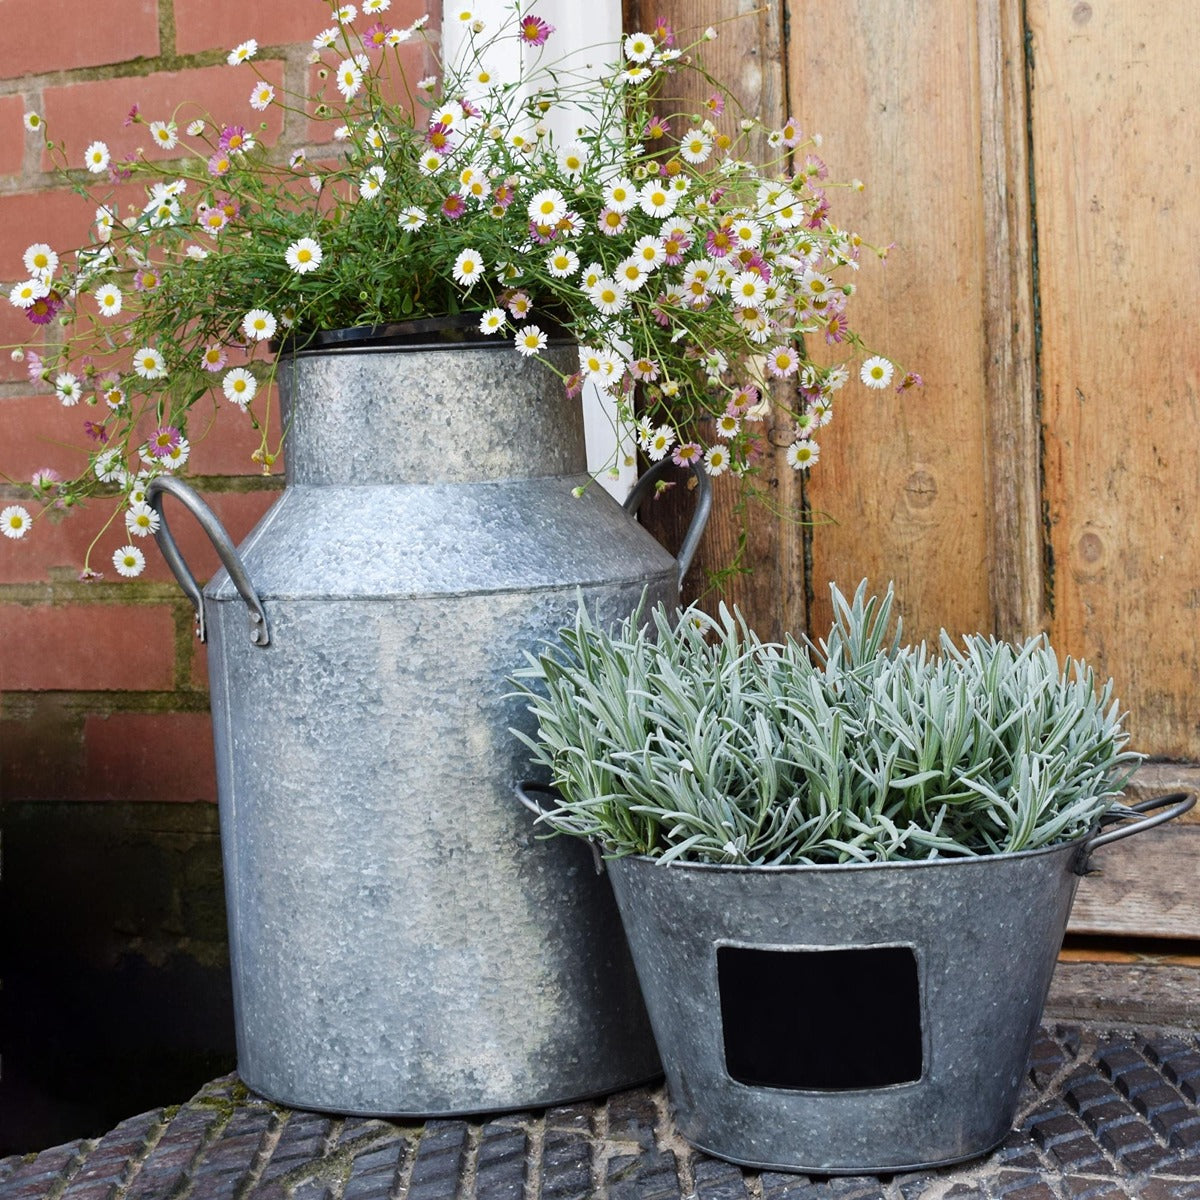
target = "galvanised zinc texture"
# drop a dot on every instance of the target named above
(402, 942)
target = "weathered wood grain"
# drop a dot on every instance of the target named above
(1116, 144)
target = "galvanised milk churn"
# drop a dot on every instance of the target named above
(402, 943)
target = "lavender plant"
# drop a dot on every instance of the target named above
(687, 737)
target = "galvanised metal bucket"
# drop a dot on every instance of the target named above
(402, 943)
(849, 1019)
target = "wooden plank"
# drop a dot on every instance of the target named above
(747, 57)
(1015, 541)
(1147, 886)
(905, 477)
(1116, 133)
(1144, 993)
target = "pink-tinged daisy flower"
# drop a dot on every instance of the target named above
(876, 372)
(15, 521)
(213, 357)
(234, 138)
(519, 305)
(96, 157)
(837, 328)
(304, 255)
(719, 242)
(453, 206)
(129, 561)
(504, 195)
(261, 97)
(611, 223)
(803, 454)
(141, 520)
(375, 38)
(468, 266)
(33, 366)
(715, 104)
(656, 129)
(644, 369)
(535, 31)
(149, 364)
(790, 132)
(240, 386)
(686, 454)
(716, 460)
(259, 325)
(95, 431)
(146, 279)
(574, 384)
(45, 308)
(783, 361)
(239, 54)
(45, 479)
(663, 34)
(910, 380)
(530, 340)
(163, 440)
(213, 220)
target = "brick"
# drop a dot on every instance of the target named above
(150, 756)
(59, 35)
(223, 24)
(86, 647)
(1055, 1127)
(79, 113)
(12, 134)
(223, 446)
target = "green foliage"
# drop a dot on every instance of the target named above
(692, 739)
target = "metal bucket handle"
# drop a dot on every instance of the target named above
(1175, 804)
(222, 543)
(691, 540)
(526, 786)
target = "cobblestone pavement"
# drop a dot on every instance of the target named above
(1106, 1115)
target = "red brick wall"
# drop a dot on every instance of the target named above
(103, 687)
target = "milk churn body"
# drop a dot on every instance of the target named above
(402, 942)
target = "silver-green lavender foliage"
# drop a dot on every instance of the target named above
(689, 738)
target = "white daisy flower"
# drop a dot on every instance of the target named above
(349, 78)
(261, 96)
(603, 367)
(631, 273)
(325, 38)
(373, 7)
(803, 454)
(195, 128)
(345, 14)
(696, 147)
(657, 199)
(468, 266)
(239, 385)
(530, 340)
(68, 389)
(40, 261)
(176, 456)
(239, 54)
(165, 134)
(129, 561)
(572, 158)
(109, 468)
(96, 157)
(33, 122)
(104, 223)
(259, 325)
(661, 441)
(876, 372)
(412, 218)
(304, 255)
(747, 289)
(108, 299)
(639, 47)
(141, 520)
(149, 364)
(651, 250)
(547, 207)
(783, 361)
(15, 521)
(25, 294)
(621, 194)
(492, 321)
(716, 460)
(608, 296)
(431, 162)
(562, 263)
(727, 426)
